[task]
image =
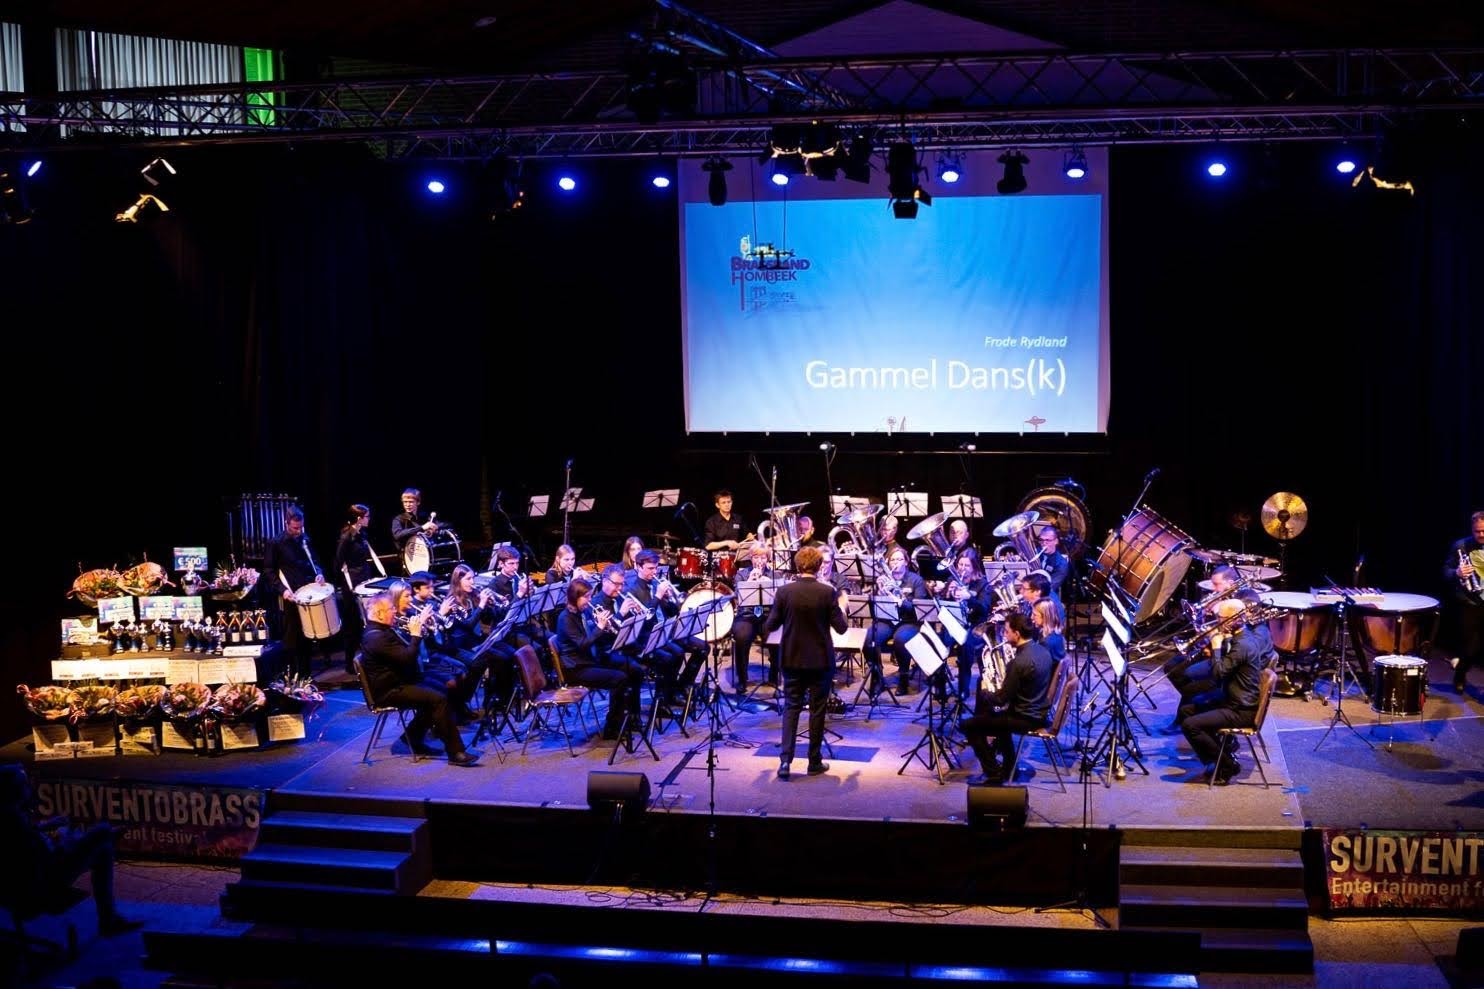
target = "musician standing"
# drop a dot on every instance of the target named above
(1462, 567)
(353, 562)
(724, 530)
(290, 566)
(1021, 704)
(806, 610)
(411, 521)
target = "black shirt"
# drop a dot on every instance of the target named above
(807, 610)
(353, 556)
(387, 659)
(720, 530)
(1027, 687)
(289, 555)
(1239, 667)
(405, 526)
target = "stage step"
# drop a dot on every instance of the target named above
(1200, 907)
(1175, 866)
(355, 867)
(1213, 838)
(342, 803)
(374, 833)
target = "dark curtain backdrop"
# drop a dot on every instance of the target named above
(311, 322)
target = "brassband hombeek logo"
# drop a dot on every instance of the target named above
(765, 275)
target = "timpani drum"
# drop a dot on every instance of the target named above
(1397, 625)
(1304, 625)
(319, 615)
(1398, 685)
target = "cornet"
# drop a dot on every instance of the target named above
(1472, 583)
(601, 617)
(633, 606)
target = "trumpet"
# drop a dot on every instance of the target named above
(633, 606)
(664, 589)
(1472, 583)
(601, 617)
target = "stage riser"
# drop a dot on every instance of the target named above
(344, 831)
(871, 859)
(1250, 868)
(883, 942)
(333, 867)
(1202, 907)
(340, 803)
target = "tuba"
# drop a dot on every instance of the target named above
(858, 526)
(933, 531)
(1019, 533)
(780, 530)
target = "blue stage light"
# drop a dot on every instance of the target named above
(566, 183)
(661, 181)
(32, 169)
(780, 178)
(1216, 168)
(1345, 165)
(436, 187)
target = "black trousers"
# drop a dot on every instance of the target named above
(745, 632)
(1200, 728)
(898, 635)
(621, 678)
(799, 686)
(352, 625)
(91, 851)
(433, 711)
(1001, 727)
(295, 642)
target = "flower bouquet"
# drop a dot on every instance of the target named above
(234, 584)
(46, 703)
(139, 705)
(185, 704)
(291, 694)
(95, 584)
(93, 703)
(236, 701)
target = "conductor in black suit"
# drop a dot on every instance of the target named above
(806, 610)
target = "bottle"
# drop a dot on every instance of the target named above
(220, 627)
(262, 625)
(234, 628)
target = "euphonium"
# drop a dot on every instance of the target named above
(993, 662)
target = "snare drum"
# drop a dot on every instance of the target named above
(719, 625)
(1304, 625)
(436, 552)
(690, 563)
(1397, 625)
(726, 565)
(319, 615)
(1398, 685)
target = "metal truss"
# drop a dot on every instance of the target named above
(966, 101)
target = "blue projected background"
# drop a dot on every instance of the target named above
(985, 314)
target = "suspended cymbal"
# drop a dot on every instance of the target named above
(1015, 523)
(1284, 516)
(1208, 556)
(858, 515)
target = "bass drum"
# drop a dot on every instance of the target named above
(719, 626)
(1147, 558)
(1061, 506)
(437, 553)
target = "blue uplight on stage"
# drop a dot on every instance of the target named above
(566, 183)
(661, 181)
(1216, 168)
(436, 187)
(32, 169)
(780, 178)
(1345, 165)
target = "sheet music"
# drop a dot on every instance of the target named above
(538, 505)
(927, 651)
(839, 504)
(1115, 655)
(963, 506)
(661, 498)
(905, 504)
(950, 614)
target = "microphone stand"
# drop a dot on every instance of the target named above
(525, 547)
(567, 506)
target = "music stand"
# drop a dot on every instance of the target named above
(1339, 681)
(930, 655)
(538, 506)
(907, 504)
(872, 608)
(1117, 735)
(757, 595)
(840, 504)
(961, 506)
(661, 498)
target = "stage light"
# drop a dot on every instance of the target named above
(158, 172)
(502, 188)
(436, 187)
(1345, 165)
(857, 164)
(780, 178)
(33, 168)
(1014, 177)
(950, 168)
(660, 181)
(13, 207)
(716, 186)
(1216, 168)
(140, 205)
(566, 183)
(902, 185)
(1075, 165)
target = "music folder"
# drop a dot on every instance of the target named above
(927, 651)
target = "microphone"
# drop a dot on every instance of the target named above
(775, 475)
(1151, 475)
(683, 507)
(569, 463)
(1358, 564)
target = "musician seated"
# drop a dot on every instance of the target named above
(510, 585)
(464, 616)
(1050, 621)
(395, 676)
(905, 586)
(807, 535)
(749, 621)
(1053, 560)
(973, 590)
(1035, 586)
(1021, 703)
(724, 530)
(961, 545)
(563, 566)
(1236, 665)
(632, 547)
(661, 598)
(411, 521)
(582, 639)
(886, 534)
